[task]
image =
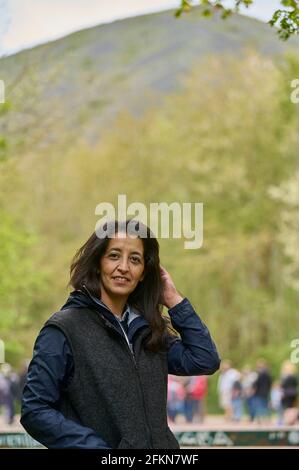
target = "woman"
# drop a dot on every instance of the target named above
(98, 377)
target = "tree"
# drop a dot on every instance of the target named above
(286, 18)
(288, 196)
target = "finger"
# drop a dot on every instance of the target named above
(163, 273)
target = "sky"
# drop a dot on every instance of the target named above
(25, 23)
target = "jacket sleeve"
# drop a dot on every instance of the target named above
(195, 353)
(48, 373)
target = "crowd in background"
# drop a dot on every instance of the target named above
(253, 392)
(186, 396)
(11, 388)
(249, 394)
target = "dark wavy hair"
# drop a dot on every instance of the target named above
(147, 297)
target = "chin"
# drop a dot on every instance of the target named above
(121, 290)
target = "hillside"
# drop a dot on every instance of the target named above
(74, 86)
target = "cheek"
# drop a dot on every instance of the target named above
(139, 273)
(107, 267)
(104, 271)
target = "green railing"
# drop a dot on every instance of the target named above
(243, 438)
(224, 438)
(20, 440)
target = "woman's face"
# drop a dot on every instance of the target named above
(122, 265)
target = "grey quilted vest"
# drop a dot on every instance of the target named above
(121, 396)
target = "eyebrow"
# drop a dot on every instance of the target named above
(132, 252)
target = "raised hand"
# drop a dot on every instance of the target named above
(171, 296)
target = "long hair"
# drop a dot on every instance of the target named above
(148, 294)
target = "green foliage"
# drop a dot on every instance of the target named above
(212, 398)
(3, 148)
(5, 107)
(185, 6)
(20, 284)
(288, 196)
(286, 18)
(14, 351)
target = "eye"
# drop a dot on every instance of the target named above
(135, 259)
(113, 255)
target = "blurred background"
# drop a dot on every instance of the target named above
(159, 109)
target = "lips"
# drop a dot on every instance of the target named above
(120, 279)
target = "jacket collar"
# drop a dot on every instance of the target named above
(82, 298)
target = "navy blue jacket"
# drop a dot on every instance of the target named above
(51, 370)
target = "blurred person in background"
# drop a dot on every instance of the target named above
(196, 390)
(237, 399)
(228, 375)
(289, 389)
(262, 388)
(9, 384)
(249, 377)
(275, 401)
(4, 391)
(175, 398)
(22, 378)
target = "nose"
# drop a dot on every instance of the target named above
(123, 265)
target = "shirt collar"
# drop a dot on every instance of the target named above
(129, 313)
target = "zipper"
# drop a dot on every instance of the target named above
(109, 324)
(130, 348)
(139, 381)
(132, 355)
(128, 343)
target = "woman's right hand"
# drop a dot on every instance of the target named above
(171, 296)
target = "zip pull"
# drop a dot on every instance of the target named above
(107, 323)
